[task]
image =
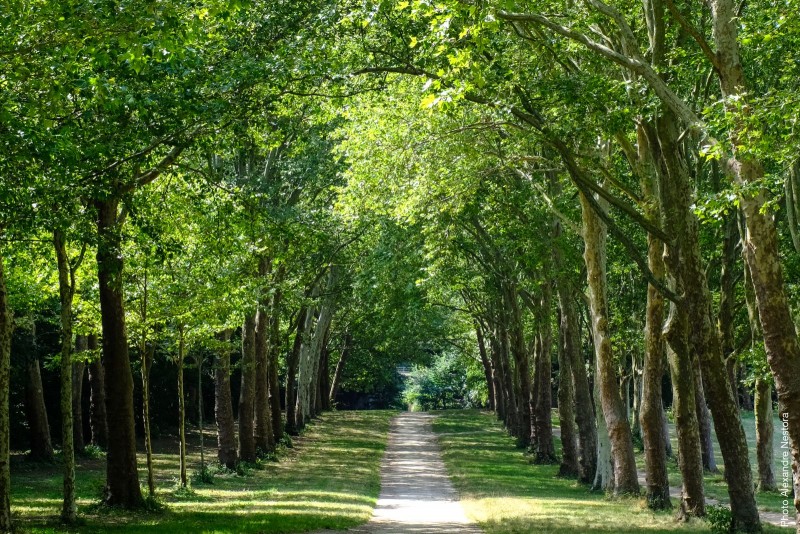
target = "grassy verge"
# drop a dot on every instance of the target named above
(329, 479)
(715, 486)
(504, 493)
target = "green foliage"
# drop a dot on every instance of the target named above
(443, 385)
(720, 518)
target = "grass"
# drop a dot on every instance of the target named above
(715, 486)
(329, 479)
(505, 493)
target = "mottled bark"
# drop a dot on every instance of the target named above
(651, 417)
(703, 420)
(764, 434)
(247, 444)
(615, 415)
(760, 244)
(122, 477)
(223, 404)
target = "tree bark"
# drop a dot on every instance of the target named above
(39, 427)
(247, 444)
(651, 417)
(181, 409)
(292, 362)
(619, 432)
(97, 398)
(545, 449)
(703, 420)
(274, 352)
(6, 325)
(223, 405)
(584, 408)
(760, 244)
(66, 291)
(78, 370)
(570, 465)
(522, 393)
(764, 433)
(122, 477)
(487, 367)
(262, 424)
(338, 374)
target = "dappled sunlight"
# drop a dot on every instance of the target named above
(329, 480)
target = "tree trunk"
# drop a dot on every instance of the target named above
(570, 466)
(274, 353)
(545, 449)
(122, 477)
(247, 444)
(487, 367)
(522, 375)
(324, 380)
(148, 352)
(312, 350)
(66, 291)
(760, 246)
(499, 388)
(39, 427)
(764, 432)
(338, 374)
(651, 417)
(673, 199)
(292, 362)
(78, 371)
(703, 420)
(223, 405)
(619, 431)
(263, 420)
(181, 409)
(6, 325)
(97, 398)
(604, 472)
(584, 408)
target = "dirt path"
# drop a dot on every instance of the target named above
(417, 496)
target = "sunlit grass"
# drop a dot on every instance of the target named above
(330, 479)
(505, 493)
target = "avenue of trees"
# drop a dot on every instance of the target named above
(269, 206)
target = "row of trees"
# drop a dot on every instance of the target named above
(175, 145)
(657, 140)
(376, 181)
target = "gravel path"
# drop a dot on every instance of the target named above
(417, 496)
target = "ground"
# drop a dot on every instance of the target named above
(329, 479)
(505, 493)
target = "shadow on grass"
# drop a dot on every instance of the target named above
(505, 492)
(329, 480)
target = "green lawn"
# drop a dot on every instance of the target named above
(715, 486)
(330, 479)
(505, 493)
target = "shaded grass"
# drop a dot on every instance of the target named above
(330, 479)
(714, 483)
(505, 493)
